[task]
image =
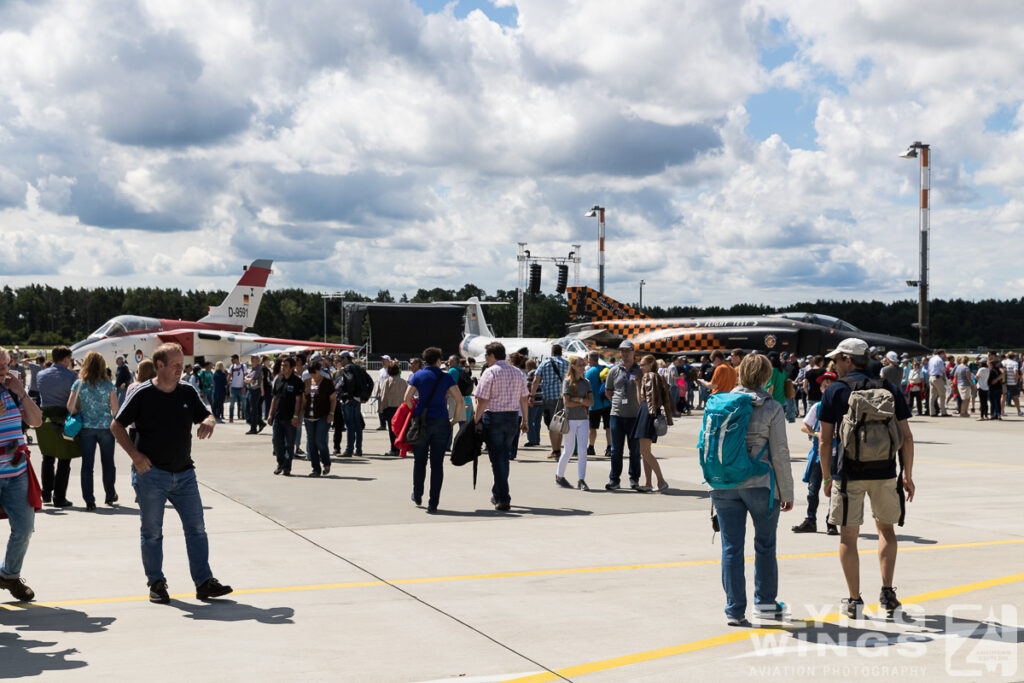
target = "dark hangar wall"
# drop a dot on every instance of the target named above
(404, 330)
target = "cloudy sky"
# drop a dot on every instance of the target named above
(745, 150)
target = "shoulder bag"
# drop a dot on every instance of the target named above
(417, 430)
(559, 422)
(73, 425)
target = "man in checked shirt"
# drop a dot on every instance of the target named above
(501, 396)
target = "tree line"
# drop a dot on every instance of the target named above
(41, 315)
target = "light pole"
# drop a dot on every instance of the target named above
(642, 283)
(599, 212)
(922, 151)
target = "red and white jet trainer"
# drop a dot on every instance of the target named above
(216, 337)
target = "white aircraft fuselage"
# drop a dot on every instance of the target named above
(216, 337)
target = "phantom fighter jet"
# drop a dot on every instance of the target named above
(607, 322)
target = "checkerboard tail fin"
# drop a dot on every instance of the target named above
(243, 302)
(587, 304)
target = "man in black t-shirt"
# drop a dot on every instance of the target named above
(811, 384)
(163, 411)
(285, 413)
(879, 483)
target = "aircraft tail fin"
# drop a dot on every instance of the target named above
(243, 302)
(476, 323)
(586, 304)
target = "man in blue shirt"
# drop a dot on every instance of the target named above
(54, 384)
(549, 378)
(433, 386)
(879, 482)
(937, 384)
(602, 409)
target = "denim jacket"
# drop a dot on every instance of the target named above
(768, 424)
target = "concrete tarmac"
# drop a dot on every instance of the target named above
(343, 578)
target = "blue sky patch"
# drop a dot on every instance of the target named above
(506, 16)
(783, 111)
(779, 49)
(1001, 120)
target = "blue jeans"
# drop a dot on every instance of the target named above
(218, 406)
(353, 426)
(702, 394)
(439, 433)
(514, 449)
(319, 453)
(501, 430)
(621, 428)
(813, 489)
(154, 488)
(14, 498)
(993, 400)
(120, 396)
(732, 506)
(89, 439)
(284, 443)
(235, 397)
(533, 423)
(790, 409)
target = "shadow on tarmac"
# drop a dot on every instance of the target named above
(16, 653)
(685, 492)
(903, 538)
(101, 511)
(919, 630)
(19, 660)
(516, 511)
(229, 610)
(42, 618)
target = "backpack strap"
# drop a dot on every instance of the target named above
(846, 501)
(771, 478)
(902, 495)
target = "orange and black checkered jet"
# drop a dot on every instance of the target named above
(603, 320)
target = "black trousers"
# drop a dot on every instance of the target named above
(56, 474)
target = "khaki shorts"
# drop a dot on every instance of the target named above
(885, 501)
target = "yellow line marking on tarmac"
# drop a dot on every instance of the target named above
(739, 636)
(503, 575)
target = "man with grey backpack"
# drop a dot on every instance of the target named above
(869, 417)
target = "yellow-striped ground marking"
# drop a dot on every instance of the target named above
(739, 636)
(503, 575)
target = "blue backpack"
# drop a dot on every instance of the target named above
(722, 446)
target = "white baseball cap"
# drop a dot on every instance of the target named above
(850, 347)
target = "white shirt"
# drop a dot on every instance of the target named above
(237, 372)
(811, 418)
(1010, 367)
(982, 377)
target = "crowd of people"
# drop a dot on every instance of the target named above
(634, 402)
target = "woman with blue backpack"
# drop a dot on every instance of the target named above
(745, 457)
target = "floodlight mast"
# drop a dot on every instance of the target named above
(922, 151)
(599, 212)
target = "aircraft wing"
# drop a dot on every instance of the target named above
(597, 335)
(252, 343)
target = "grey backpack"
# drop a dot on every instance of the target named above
(869, 431)
(870, 435)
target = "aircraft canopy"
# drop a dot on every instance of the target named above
(820, 319)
